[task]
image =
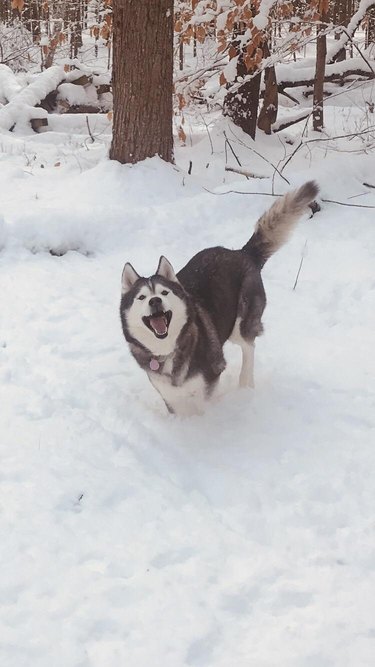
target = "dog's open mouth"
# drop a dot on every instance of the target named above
(158, 323)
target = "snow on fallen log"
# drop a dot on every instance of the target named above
(21, 109)
(290, 119)
(357, 18)
(291, 77)
(9, 86)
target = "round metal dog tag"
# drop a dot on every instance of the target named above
(154, 365)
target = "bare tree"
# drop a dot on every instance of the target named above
(142, 80)
(321, 52)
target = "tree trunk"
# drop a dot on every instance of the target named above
(370, 28)
(142, 80)
(268, 112)
(75, 30)
(341, 12)
(241, 104)
(321, 52)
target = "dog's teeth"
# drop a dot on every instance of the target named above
(159, 324)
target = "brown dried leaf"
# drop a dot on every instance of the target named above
(200, 33)
(181, 101)
(18, 5)
(181, 135)
(105, 32)
(222, 41)
(230, 21)
(249, 62)
(258, 56)
(222, 79)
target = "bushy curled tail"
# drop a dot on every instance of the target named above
(273, 228)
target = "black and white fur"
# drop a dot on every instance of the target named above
(176, 324)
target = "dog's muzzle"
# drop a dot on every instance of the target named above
(158, 322)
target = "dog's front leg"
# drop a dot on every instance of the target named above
(247, 368)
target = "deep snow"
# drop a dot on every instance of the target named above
(129, 537)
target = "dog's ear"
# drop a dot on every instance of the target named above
(129, 277)
(165, 269)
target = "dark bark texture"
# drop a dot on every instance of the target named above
(321, 52)
(241, 106)
(370, 28)
(341, 14)
(268, 112)
(142, 80)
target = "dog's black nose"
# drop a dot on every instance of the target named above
(155, 302)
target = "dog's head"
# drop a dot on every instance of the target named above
(153, 310)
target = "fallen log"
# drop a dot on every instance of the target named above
(9, 86)
(50, 91)
(37, 123)
(335, 77)
(287, 122)
(20, 108)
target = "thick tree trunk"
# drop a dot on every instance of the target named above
(321, 52)
(142, 80)
(241, 105)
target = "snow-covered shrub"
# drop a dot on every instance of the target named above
(16, 47)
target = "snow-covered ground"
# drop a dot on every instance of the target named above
(131, 538)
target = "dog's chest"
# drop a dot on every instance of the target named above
(184, 400)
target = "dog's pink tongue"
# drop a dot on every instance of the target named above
(159, 324)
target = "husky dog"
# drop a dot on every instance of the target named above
(176, 324)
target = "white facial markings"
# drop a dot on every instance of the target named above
(140, 308)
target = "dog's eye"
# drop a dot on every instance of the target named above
(165, 292)
(141, 297)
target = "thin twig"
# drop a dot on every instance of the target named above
(359, 50)
(232, 150)
(341, 203)
(297, 147)
(294, 99)
(233, 153)
(361, 194)
(320, 139)
(260, 155)
(300, 265)
(89, 131)
(208, 132)
(238, 192)
(244, 172)
(270, 194)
